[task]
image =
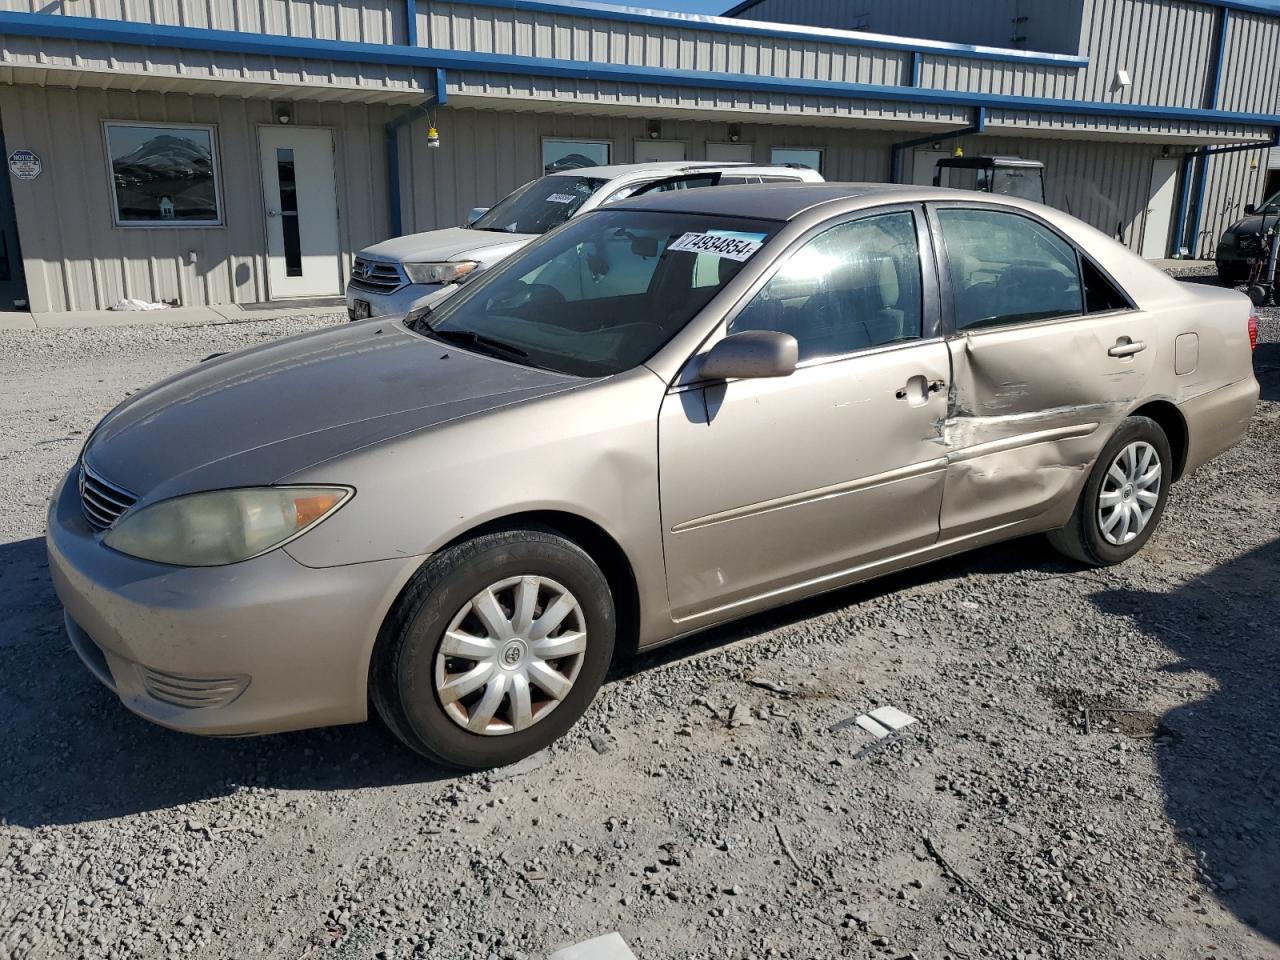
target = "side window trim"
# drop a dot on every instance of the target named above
(931, 318)
(945, 288)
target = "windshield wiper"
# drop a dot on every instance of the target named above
(481, 344)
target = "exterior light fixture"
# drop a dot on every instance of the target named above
(433, 137)
(735, 133)
(654, 129)
(284, 113)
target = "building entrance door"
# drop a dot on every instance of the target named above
(13, 280)
(923, 163)
(1159, 212)
(301, 200)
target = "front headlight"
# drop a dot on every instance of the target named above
(223, 526)
(1228, 241)
(438, 272)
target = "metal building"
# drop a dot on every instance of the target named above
(238, 151)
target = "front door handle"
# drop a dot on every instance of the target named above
(1126, 348)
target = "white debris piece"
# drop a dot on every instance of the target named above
(132, 304)
(609, 947)
(883, 721)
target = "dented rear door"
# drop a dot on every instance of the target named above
(1037, 383)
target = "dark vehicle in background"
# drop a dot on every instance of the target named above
(1003, 176)
(1243, 242)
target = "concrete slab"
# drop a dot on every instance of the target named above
(173, 316)
(15, 320)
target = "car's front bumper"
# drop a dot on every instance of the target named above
(392, 305)
(256, 647)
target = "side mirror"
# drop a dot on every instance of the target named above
(475, 214)
(750, 355)
(1250, 209)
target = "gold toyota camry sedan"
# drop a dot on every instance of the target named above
(666, 414)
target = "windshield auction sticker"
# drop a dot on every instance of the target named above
(729, 248)
(561, 198)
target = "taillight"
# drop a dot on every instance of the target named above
(1253, 331)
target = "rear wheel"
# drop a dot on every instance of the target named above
(495, 650)
(1123, 499)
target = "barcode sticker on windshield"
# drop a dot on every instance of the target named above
(561, 198)
(730, 248)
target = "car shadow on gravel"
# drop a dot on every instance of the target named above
(1031, 556)
(71, 753)
(1221, 766)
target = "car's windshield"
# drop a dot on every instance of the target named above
(1271, 206)
(602, 294)
(539, 206)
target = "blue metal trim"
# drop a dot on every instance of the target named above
(1219, 59)
(199, 38)
(895, 150)
(442, 87)
(915, 68)
(410, 23)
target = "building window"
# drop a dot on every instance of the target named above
(163, 175)
(558, 155)
(810, 157)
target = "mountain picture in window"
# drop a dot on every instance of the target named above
(163, 175)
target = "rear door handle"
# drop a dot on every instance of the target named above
(1126, 348)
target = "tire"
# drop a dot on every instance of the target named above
(410, 669)
(1084, 537)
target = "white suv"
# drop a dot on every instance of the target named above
(393, 277)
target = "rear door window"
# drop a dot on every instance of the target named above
(1006, 268)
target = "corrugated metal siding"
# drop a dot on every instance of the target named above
(1167, 47)
(1233, 182)
(366, 21)
(1251, 67)
(77, 260)
(1051, 26)
(486, 154)
(459, 26)
(965, 73)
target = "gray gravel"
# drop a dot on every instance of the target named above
(696, 812)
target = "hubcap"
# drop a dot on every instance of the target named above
(1129, 493)
(510, 655)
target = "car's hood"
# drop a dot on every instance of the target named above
(1253, 224)
(258, 415)
(453, 243)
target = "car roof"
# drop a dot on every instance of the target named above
(671, 167)
(779, 201)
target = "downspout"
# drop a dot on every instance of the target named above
(440, 97)
(895, 151)
(1181, 240)
(1198, 161)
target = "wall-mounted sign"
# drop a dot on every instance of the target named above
(25, 165)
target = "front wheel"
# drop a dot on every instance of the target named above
(495, 650)
(1123, 499)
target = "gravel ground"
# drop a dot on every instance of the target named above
(704, 808)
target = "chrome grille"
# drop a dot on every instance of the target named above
(102, 502)
(376, 276)
(1250, 243)
(192, 692)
